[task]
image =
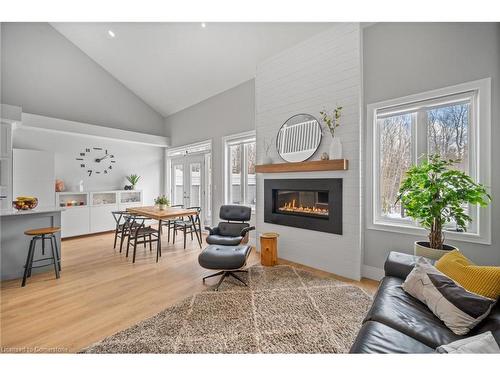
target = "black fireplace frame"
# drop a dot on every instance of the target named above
(332, 224)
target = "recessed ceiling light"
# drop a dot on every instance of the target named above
(111, 33)
(203, 24)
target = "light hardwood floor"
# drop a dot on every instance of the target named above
(101, 292)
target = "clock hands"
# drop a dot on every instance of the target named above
(98, 160)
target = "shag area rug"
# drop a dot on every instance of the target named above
(284, 310)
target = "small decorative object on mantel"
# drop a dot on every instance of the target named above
(268, 144)
(332, 122)
(434, 194)
(324, 156)
(133, 179)
(59, 185)
(80, 186)
(162, 202)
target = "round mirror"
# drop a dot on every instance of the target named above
(298, 138)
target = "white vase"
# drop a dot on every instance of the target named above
(163, 206)
(335, 151)
(422, 249)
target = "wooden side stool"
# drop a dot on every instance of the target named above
(42, 234)
(269, 249)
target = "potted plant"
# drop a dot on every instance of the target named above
(133, 179)
(162, 202)
(434, 194)
(332, 122)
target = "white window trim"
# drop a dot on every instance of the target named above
(197, 148)
(482, 143)
(226, 142)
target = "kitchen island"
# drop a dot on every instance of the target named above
(14, 243)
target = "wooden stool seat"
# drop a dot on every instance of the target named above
(42, 234)
(41, 231)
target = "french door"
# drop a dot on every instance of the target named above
(187, 183)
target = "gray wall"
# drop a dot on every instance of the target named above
(230, 112)
(46, 74)
(402, 59)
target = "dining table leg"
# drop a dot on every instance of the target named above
(158, 252)
(198, 233)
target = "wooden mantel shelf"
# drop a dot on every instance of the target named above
(305, 166)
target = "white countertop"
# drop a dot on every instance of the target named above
(38, 210)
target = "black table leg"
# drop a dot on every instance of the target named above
(198, 234)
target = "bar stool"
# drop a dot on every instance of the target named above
(42, 234)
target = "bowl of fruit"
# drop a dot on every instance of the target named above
(25, 203)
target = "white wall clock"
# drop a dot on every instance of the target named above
(96, 160)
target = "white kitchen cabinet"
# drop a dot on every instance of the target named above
(91, 212)
(5, 140)
(34, 175)
(101, 218)
(129, 198)
(103, 203)
(5, 165)
(75, 221)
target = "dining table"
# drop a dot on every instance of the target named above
(169, 213)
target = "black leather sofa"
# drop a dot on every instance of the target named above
(399, 323)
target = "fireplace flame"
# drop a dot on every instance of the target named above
(291, 207)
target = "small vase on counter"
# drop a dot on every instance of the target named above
(335, 150)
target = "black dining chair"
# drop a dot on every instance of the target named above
(188, 226)
(120, 219)
(139, 233)
(169, 223)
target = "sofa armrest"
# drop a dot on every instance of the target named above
(399, 264)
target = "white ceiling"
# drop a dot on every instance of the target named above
(172, 66)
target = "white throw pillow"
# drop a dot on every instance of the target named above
(480, 344)
(458, 308)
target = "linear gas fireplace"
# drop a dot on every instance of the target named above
(314, 204)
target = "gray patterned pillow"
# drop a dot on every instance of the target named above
(480, 344)
(458, 308)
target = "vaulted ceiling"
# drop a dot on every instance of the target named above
(172, 66)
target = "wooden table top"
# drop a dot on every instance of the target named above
(154, 212)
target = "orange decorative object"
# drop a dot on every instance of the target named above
(59, 185)
(269, 249)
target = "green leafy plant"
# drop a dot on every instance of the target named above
(434, 194)
(332, 119)
(162, 200)
(133, 179)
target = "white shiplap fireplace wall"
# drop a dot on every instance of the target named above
(321, 72)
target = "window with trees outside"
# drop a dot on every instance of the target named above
(240, 177)
(405, 131)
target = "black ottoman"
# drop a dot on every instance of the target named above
(229, 259)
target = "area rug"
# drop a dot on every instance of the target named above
(284, 310)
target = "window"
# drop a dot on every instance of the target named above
(453, 122)
(240, 177)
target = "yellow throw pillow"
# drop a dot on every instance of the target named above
(482, 280)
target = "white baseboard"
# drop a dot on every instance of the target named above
(372, 273)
